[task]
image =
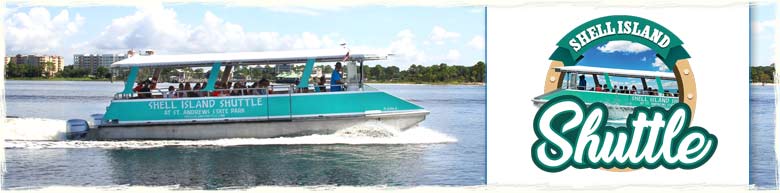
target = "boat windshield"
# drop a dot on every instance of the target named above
(637, 85)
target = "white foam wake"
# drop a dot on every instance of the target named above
(33, 129)
(369, 133)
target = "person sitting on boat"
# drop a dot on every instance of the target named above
(146, 92)
(180, 94)
(633, 89)
(598, 88)
(138, 86)
(649, 91)
(171, 92)
(187, 89)
(604, 88)
(195, 90)
(335, 79)
(582, 84)
(321, 84)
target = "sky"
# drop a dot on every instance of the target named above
(762, 16)
(415, 35)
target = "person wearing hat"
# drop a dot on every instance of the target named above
(335, 79)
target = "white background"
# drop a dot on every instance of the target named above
(520, 41)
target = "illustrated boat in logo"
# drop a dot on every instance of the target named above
(620, 99)
(275, 110)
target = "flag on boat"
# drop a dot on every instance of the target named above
(346, 57)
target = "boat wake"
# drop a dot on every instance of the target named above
(33, 129)
(34, 133)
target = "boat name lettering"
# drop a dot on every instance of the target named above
(572, 134)
(205, 103)
(626, 27)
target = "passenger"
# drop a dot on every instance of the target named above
(171, 92)
(187, 89)
(335, 79)
(614, 89)
(667, 93)
(180, 94)
(598, 88)
(649, 91)
(195, 91)
(321, 84)
(267, 86)
(604, 88)
(582, 84)
(217, 87)
(633, 89)
(138, 86)
(145, 91)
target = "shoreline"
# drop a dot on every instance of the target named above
(761, 84)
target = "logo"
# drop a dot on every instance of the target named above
(572, 134)
(619, 93)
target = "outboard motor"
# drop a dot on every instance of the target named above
(76, 129)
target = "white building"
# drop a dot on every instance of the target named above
(93, 61)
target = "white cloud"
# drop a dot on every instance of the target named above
(439, 35)
(660, 65)
(759, 26)
(478, 42)
(453, 56)
(623, 46)
(156, 27)
(37, 32)
(405, 50)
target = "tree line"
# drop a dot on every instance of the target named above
(441, 73)
(762, 74)
(13, 70)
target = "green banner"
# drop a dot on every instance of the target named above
(666, 45)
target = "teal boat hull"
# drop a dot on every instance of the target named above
(254, 116)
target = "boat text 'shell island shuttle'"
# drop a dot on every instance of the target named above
(257, 109)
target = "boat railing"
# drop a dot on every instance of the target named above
(270, 90)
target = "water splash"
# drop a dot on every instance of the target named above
(33, 129)
(367, 133)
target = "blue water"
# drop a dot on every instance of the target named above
(763, 165)
(457, 113)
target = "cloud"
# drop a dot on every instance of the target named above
(478, 42)
(623, 46)
(155, 27)
(405, 50)
(439, 35)
(658, 63)
(37, 32)
(453, 56)
(760, 26)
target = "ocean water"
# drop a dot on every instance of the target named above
(763, 164)
(448, 148)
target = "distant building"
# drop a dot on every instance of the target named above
(93, 61)
(38, 61)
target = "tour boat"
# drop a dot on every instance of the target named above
(277, 110)
(620, 104)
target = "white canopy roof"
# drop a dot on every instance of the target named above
(249, 58)
(617, 72)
